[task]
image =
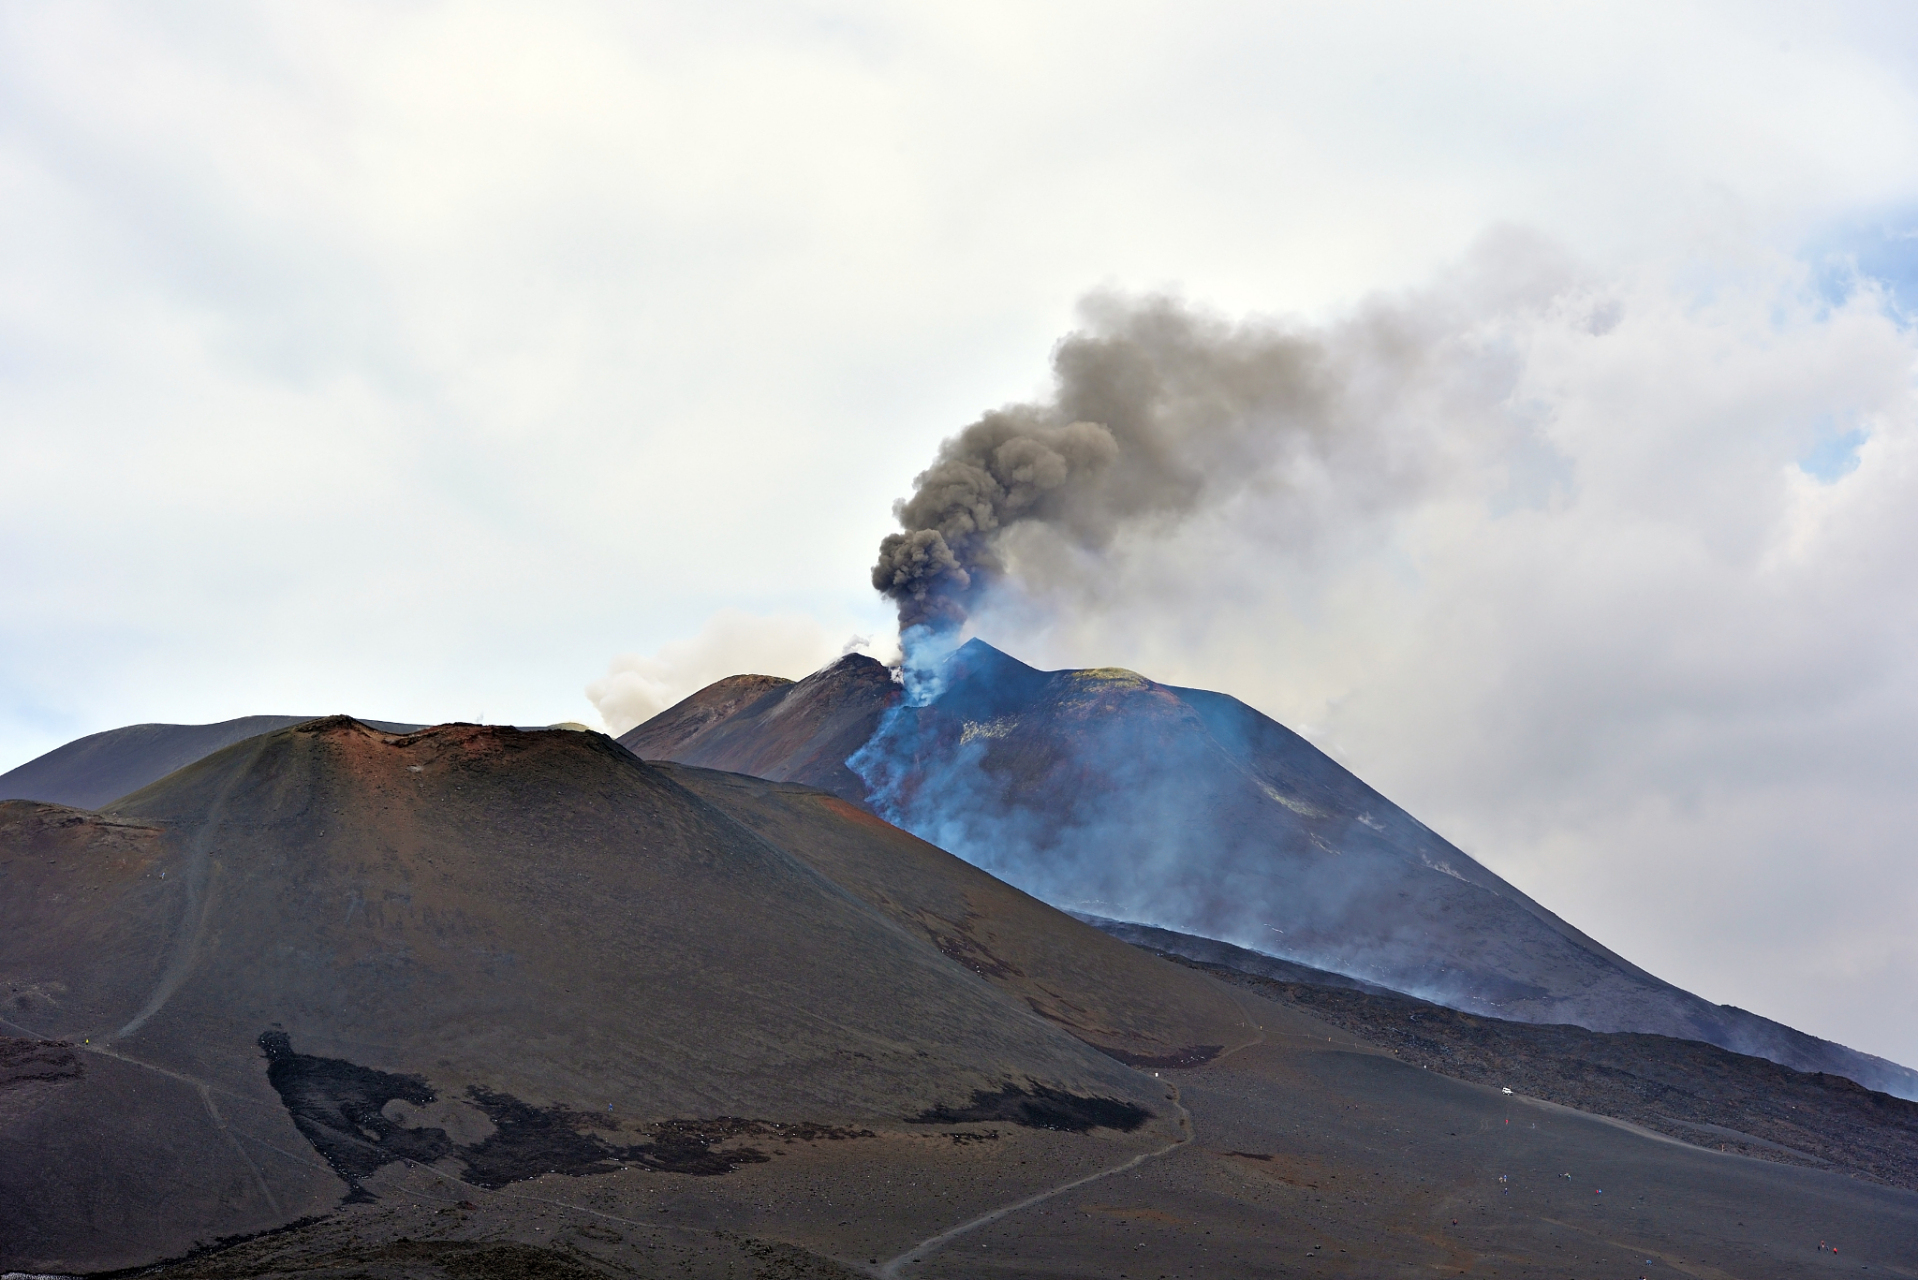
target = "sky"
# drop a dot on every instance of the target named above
(540, 363)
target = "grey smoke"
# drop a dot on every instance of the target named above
(1156, 412)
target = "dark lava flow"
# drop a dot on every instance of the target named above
(1041, 1108)
(338, 1106)
(528, 1141)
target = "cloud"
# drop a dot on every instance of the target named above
(637, 687)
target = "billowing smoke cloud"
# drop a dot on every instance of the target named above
(1009, 466)
(1157, 411)
(1161, 413)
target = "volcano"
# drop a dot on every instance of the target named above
(1130, 802)
(473, 1001)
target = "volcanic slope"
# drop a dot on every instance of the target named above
(1685, 1089)
(1106, 793)
(326, 955)
(88, 772)
(782, 730)
(478, 1002)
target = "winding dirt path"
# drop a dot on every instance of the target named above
(890, 1269)
(893, 1268)
(199, 903)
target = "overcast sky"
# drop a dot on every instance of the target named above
(439, 362)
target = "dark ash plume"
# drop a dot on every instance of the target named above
(1009, 466)
(1155, 411)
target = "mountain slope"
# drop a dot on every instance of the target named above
(1686, 1089)
(1109, 794)
(781, 730)
(497, 953)
(475, 1002)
